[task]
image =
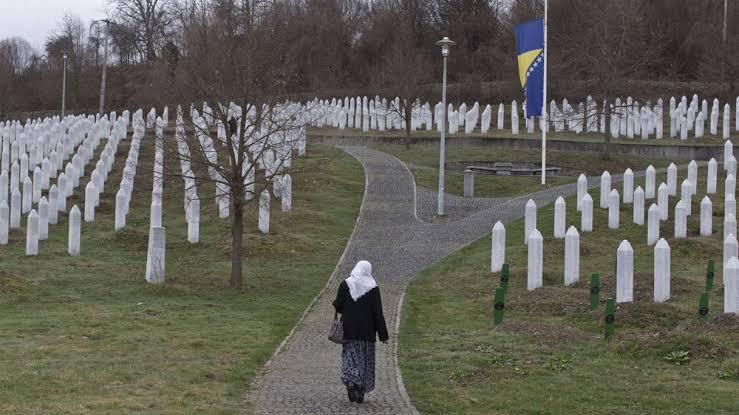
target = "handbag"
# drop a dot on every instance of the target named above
(336, 333)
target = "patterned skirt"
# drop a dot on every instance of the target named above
(358, 364)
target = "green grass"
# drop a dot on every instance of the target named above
(88, 335)
(423, 161)
(549, 355)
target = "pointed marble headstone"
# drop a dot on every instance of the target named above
(706, 217)
(156, 255)
(731, 286)
(264, 201)
(653, 219)
(572, 256)
(43, 219)
(663, 200)
(729, 225)
(624, 273)
(75, 222)
(613, 209)
(582, 188)
(497, 254)
(560, 210)
(586, 214)
(638, 217)
(193, 221)
(4, 222)
(15, 209)
(529, 219)
(681, 220)
(672, 179)
(628, 186)
(32, 234)
(535, 260)
(605, 189)
(661, 271)
(650, 182)
(711, 179)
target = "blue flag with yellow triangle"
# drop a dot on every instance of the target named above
(530, 52)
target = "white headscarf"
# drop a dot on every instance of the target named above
(360, 281)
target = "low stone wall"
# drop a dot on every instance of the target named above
(665, 151)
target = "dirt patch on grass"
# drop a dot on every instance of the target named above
(697, 342)
(547, 334)
(10, 283)
(553, 301)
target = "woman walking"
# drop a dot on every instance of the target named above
(359, 303)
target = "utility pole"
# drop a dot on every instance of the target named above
(64, 84)
(105, 62)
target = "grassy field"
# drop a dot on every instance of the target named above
(423, 160)
(549, 355)
(88, 335)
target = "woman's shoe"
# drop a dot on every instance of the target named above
(360, 396)
(352, 393)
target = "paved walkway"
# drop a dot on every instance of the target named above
(303, 376)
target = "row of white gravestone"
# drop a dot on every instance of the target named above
(627, 118)
(125, 189)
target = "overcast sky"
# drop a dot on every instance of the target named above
(35, 19)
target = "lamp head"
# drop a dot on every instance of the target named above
(445, 43)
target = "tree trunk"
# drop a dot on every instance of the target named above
(237, 231)
(607, 133)
(408, 115)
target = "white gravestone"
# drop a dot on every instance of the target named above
(32, 234)
(672, 179)
(75, 222)
(605, 189)
(193, 221)
(628, 186)
(650, 186)
(653, 225)
(497, 254)
(729, 225)
(43, 219)
(613, 209)
(27, 195)
(663, 200)
(560, 211)
(264, 201)
(36, 190)
(53, 209)
(120, 209)
(582, 188)
(731, 166)
(572, 256)
(729, 205)
(728, 150)
(624, 273)
(586, 214)
(536, 260)
(693, 173)
(90, 195)
(681, 220)
(686, 195)
(286, 191)
(730, 185)
(731, 249)
(4, 222)
(731, 286)
(529, 219)
(712, 173)
(661, 271)
(15, 210)
(638, 206)
(155, 214)
(156, 258)
(706, 217)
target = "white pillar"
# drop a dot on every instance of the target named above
(693, 173)
(264, 201)
(43, 219)
(286, 191)
(730, 185)
(529, 219)
(120, 209)
(653, 225)
(672, 179)
(663, 200)
(731, 286)
(605, 189)
(651, 178)
(661, 271)
(706, 217)
(90, 194)
(712, 173)
(560, 210)
(193, 221)
(613, 209)
(156, 258)
(628, 186)
(639, 206)
(75, 222)
(729, 205)
(4, 222)
(27, 195)
(32, 234)
(624, 273)
(686, 195)
(681, 220)
(536, 260)
(497, 252)
(731, 249)
(155, 214)
(582, 188)
(586, 214)
(572, 256)
(729, 225)
(36, 190)
(15, 210)
(53, 208)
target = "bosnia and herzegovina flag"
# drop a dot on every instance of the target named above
(530, 51)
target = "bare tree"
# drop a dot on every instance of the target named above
(149, 19)
(256, 128)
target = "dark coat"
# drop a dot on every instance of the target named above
(362, 319)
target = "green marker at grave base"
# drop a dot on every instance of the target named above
(499, 305)
(505, 275)
(710, 272)
(610, 318)
(703, 307)
(594, 290)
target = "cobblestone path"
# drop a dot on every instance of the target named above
(303, 376)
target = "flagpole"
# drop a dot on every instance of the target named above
(544, 104)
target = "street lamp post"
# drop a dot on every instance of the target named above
(64, 84)
(105, 62)
(445, 44)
